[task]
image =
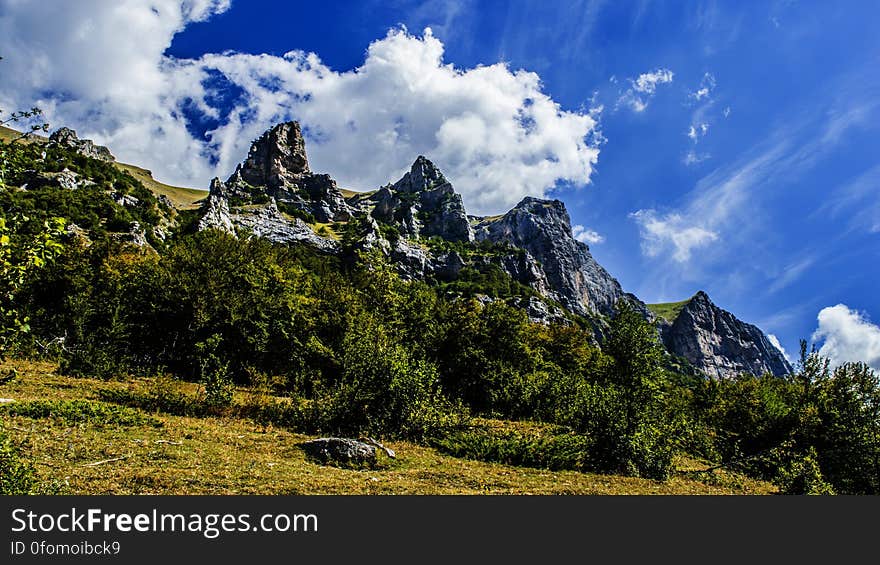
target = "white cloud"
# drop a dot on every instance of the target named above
(585, 235)
(774, 341)
(647, 82)
(671, 232)
(102, 70)
(847, 335)
(693, 158)
(643, 88)
(707, 85)
(695, 132)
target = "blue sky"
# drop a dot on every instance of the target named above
(723, 146)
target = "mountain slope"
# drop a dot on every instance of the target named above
(716, 342)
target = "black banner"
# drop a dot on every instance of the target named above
(414, 529)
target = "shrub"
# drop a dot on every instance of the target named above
(565, 451)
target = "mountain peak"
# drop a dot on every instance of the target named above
(717, 342)
(423, 175)
(276, 158)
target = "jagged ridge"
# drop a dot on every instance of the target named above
(532, 243)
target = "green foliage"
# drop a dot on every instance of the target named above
(385, 390)
(17, 475)
(555, 452)
(90, 206)
(20, 255)
(296, 212)
(74, 412)
(802, 475)
(214, 372)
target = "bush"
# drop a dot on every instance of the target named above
(384, 390)
(566, 451)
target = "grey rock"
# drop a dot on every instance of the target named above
(345, 451)
(277, 166)
(66, 137)
(573, 277)
(268, 222)
(136, 235)
(277, 158)
(422, 204)
(717, 343)
(215, 210)
(65, 179)
(126, 200)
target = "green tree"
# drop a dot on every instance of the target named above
(19, 257)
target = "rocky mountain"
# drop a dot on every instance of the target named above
(573, 277)
(714, 341)
(67, 138)
(420, 224)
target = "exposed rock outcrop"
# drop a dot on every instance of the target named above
(66, 137)
(215, 210)
(268, 222)
(573, 277)
(420, 225)
(277, 166)
(422, 204)
(717, 343)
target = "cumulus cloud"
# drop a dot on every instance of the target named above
(847, 335)
(643, 88)
(103, 70)
(774, 341)
(671, 232)
(588, 236)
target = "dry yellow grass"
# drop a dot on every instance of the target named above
(233, 456)
(182, 198)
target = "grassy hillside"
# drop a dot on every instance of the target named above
(166, 454)
(182, 198)
(669, 311)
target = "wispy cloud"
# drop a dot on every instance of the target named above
(791, 273)
(671, 232)
(694, 158)
(696, 132)
(707, 85)
(643, 88)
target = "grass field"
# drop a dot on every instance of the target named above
(669, 311)
(115, 450)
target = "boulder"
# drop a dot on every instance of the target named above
(341, 451)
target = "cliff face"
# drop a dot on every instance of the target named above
(277, 166)
(714, 341)
(543, 228)
(420, 224)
